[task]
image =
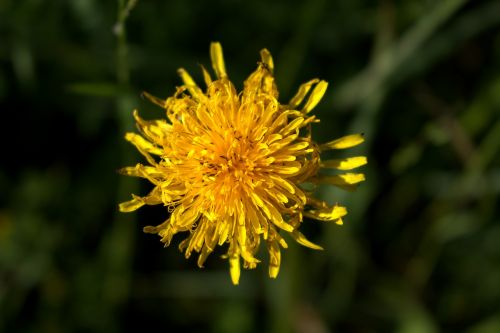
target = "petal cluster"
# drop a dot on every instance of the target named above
(235, 169)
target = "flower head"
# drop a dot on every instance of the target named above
(237, 168)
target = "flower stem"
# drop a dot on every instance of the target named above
(117, 244)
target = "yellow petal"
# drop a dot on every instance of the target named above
(344, 142)
(268, 85)
(223, 234)
(277, 219)
(302, 240)
(293, 125)
(248, 257)
(184, 218)
(203, 256)
(274, 259)
(148, 172)
(143, 146)
(301, 93)
(211, 235)
(256, 199)
(217, 60)
(161, 228)
(281, 120)
(158, 101)
(285, 184)
(345, 164)
(206, 76)
(285, 158)
(131, 205)
(277, 195)
(267, 59)
(153, 198)
(282, 241)
(234, 268)
(282, 143)
(349, 178)
(315, 97)
(198, 239)
(348, 181)
(154, 130)
(326, 214)
(184, 243)
(258, 133)
(241, 235)
(190, 84)
(286, 169)
(298, 146)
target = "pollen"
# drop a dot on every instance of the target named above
(231, 167)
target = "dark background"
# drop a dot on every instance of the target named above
(420, 248)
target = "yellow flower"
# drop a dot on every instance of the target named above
(238, 168)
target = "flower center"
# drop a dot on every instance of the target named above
(236, 159)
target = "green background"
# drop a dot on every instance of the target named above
(420, 248)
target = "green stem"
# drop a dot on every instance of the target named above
(117, 245)
(122, 68)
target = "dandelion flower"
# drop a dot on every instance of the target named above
(237, 169)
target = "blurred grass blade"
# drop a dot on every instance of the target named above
(102, 89)
(383, 66)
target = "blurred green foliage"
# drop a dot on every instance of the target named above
(420, 249)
